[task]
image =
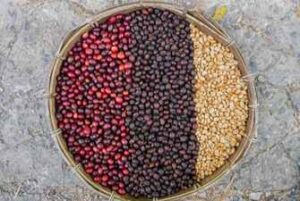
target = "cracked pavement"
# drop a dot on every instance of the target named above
(31, 167)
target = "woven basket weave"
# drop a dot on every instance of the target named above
(207, 26)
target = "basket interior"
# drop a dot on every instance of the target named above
(207, 27)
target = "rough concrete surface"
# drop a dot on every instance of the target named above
(31, 167)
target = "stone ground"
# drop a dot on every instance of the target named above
(31, 168)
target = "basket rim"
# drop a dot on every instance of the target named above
(205, 24)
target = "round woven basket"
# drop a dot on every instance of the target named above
(207, 26)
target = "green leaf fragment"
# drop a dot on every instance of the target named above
(220, 13)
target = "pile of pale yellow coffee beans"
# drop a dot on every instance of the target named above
(221, 103)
